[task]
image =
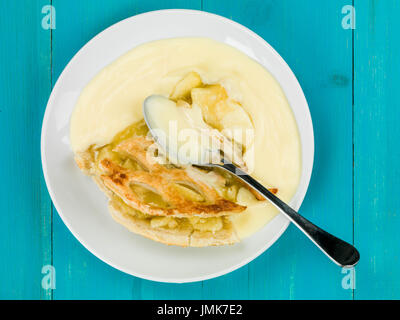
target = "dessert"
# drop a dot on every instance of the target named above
(166, 200)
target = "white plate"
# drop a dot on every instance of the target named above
(82, 206)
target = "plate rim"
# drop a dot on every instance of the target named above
(93, 251)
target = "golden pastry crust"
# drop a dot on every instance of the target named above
(85, 161)
(138, 218)
(184, 235)
(161, 180)
(177, 237)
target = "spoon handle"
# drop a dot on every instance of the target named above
(339, 251)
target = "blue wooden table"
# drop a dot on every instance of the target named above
(351, 79)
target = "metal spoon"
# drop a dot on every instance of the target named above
(339, 251)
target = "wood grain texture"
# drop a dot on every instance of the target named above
(309, 36)
(25, 219)
(377, 155)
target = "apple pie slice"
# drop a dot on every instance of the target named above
(175, 205)
(169, 204)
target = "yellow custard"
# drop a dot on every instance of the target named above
(113, 100)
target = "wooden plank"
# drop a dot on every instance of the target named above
(309, 36)
(79, 273)
(376, 152)
(25, 220)
(311, 40)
